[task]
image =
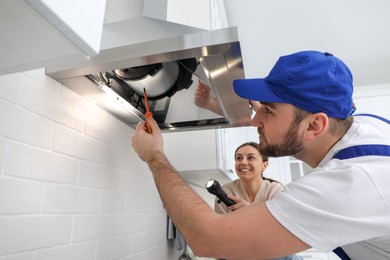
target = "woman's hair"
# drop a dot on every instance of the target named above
(253, 144)
(257, 147)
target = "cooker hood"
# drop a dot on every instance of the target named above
(168, 60)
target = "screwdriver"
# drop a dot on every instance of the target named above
(148, 114)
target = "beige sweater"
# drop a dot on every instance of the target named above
(267, 191)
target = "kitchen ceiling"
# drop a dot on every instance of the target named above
(357, 31)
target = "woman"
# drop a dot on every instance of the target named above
(252, 186)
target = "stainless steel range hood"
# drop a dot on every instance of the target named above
(215, 58)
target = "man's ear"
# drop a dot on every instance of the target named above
(316, 125)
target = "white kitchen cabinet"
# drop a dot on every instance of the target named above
(192, 150)
(41, 33)
(298, 168)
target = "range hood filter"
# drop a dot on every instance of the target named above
(159, 80)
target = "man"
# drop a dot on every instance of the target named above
(306, 111)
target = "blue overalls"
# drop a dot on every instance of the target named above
(356, 151)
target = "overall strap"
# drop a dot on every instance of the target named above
(364, 150)
(341, 253)
(357, 151)
(375, 116)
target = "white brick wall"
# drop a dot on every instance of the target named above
(71, 187)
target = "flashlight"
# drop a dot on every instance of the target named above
(215, 188)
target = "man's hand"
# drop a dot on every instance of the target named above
(204, 99)
(145, 144)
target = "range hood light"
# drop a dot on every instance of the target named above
(206, 71)
(205, 51)
(114, 101)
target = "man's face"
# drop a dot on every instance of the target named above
(278, 131)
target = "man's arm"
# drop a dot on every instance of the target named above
(250, 232)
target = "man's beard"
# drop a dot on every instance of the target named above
(291, 145)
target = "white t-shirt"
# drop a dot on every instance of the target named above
(343, 202)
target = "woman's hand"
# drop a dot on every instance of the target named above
(240, 202)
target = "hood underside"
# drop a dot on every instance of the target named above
(168, 60)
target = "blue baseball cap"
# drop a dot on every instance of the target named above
(311, 80)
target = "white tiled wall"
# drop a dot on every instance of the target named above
(71, 186)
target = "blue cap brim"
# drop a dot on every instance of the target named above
(255, 89)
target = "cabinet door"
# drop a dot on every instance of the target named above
(227, 140)
(193, 150)
(35, 36)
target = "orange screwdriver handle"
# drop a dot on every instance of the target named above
(147, 125)
(148, 114)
